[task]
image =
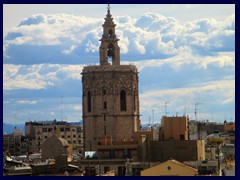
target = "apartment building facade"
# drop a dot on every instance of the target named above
(40, 131)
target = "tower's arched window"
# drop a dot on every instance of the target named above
(104, 92)
(89, 104)
(110, 50)
(123, 102)
(110, 32)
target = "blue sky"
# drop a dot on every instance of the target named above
(185, 54)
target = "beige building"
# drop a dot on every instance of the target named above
(174, 128)
(170, 168)
(40, 131)
(110, 99)
(229, 127)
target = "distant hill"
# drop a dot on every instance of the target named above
(144, 125)
(8, 128)
(79, 123)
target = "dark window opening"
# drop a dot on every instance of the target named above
(123, 100)
(104, 117)
(110, 32)
(79, 129)
(105, 130)
(105, 105)
(121, 170)
(89, 101)
(104, 92)
(110, 50)
(181, 137)
(90, 171)
(106, 169)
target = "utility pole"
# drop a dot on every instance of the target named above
(149, 120)
(14, 142)
(153, 115)
(15, 119)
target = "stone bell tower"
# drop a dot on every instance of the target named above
(110, 100)
(109, 46)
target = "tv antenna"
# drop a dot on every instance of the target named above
(153, 114)
(61, 110)
(149, 123)
(165, 106)
(195, 110)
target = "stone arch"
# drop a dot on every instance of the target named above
(104, 91)
(110, 50)
(110, 32)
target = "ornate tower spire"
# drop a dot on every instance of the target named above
(109, 43)
(108, 9)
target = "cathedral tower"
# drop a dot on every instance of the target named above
(110, 100)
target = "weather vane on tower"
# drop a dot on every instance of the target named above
(108, 7)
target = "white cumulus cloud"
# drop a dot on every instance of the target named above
(68, 39)
(39, 76)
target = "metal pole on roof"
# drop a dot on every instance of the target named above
(61, 110)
